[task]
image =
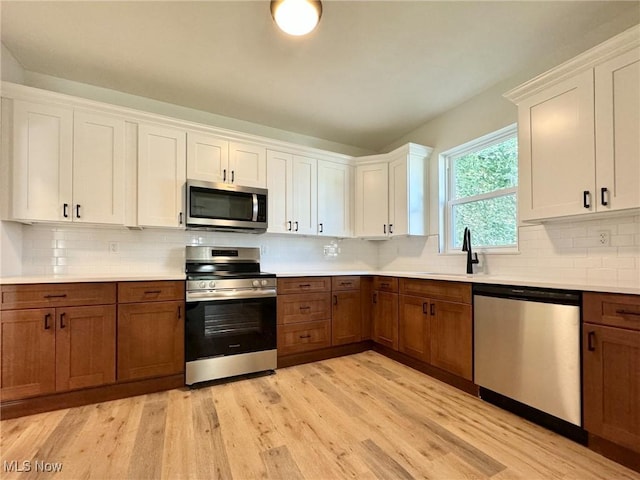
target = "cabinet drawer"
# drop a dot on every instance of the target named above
(386, 284)
(345, 283)
(304, 285)
(45, 295)
(611, 309)
(437, 289)
(303, 307)
(161, 291)
(302, 337)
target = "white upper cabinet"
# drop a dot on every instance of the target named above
(292, 184)
(578, 130)
(207, 157)
(618, 132)
(334, 198)
(42, 162)
(98, 168)
(247, 165)
(372, 200)
(391, 194)
(214, 159)
(67, 166)
(161, 175)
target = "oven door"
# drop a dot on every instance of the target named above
(229, 326)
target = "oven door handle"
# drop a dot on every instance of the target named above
(255, 207)
(214, 296)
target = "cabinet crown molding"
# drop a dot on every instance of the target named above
(623, 42)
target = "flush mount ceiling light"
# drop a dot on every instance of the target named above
(296, 17)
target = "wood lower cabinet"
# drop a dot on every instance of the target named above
(304, 314)
(385, 319)
(52, 350)
(346, 310)
(434, 329)
(150, 333)
(415, 328)
(611, 368)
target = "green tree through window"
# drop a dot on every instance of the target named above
(482, 193)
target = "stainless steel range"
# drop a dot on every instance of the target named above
(230, 315)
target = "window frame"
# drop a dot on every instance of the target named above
(447, 161)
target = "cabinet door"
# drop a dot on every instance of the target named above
(372, 204)
(85, 346)
(42, 162)
(617, 126)
(207, 158)
(304, 195)
(248, 164)
(385, 319)
(27, 358)
(452, 337)
(150, 339)
(398, 195)
(161, 175)
(556, 150)
(98, 169)
(279, 186)
(414, 327)
(611, 384)
(334, 199)
(346, 319)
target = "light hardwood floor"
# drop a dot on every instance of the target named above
(363, 416)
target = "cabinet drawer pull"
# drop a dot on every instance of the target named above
(627, 312)
(590, 341)
(47, 325)
(603, 193)
(77, 210)
(384, 228)
(432, 309)
(296, 226)
(289, 225)
(305, 336)
(233, 176)
(345, 284)
(321, 228)
(62, 324)
(391, 229)
(152, 292)
(65, 208)
(586, 201)
(305, 307)
(424, 308)
(385, 285)
(335, 300)
(304, 285)
(63, 295)
(180, 219)
(224, 175)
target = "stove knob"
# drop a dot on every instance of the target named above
(212, 284)
(264, 283)
(202, 284)
(256, 283)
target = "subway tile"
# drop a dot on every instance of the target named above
(622, 240)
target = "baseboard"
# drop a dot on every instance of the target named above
(615, 452)
(77, 398)
(446, 377)
(323, 354)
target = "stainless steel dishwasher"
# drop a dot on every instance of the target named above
(527, 354)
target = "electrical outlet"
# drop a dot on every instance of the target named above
(114, 247)
(603, 238)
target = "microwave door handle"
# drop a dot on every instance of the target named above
(255, 207)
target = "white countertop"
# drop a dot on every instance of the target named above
(453, 277)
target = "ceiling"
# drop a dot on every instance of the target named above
(370, 73)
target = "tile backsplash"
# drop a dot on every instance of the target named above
(559, 252)
(90, 251)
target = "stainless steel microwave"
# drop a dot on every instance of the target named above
(226, 207)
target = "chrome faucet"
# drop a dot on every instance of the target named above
(466, 247)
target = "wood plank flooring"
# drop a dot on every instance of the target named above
(363, 417)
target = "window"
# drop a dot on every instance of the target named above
(481, 192)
